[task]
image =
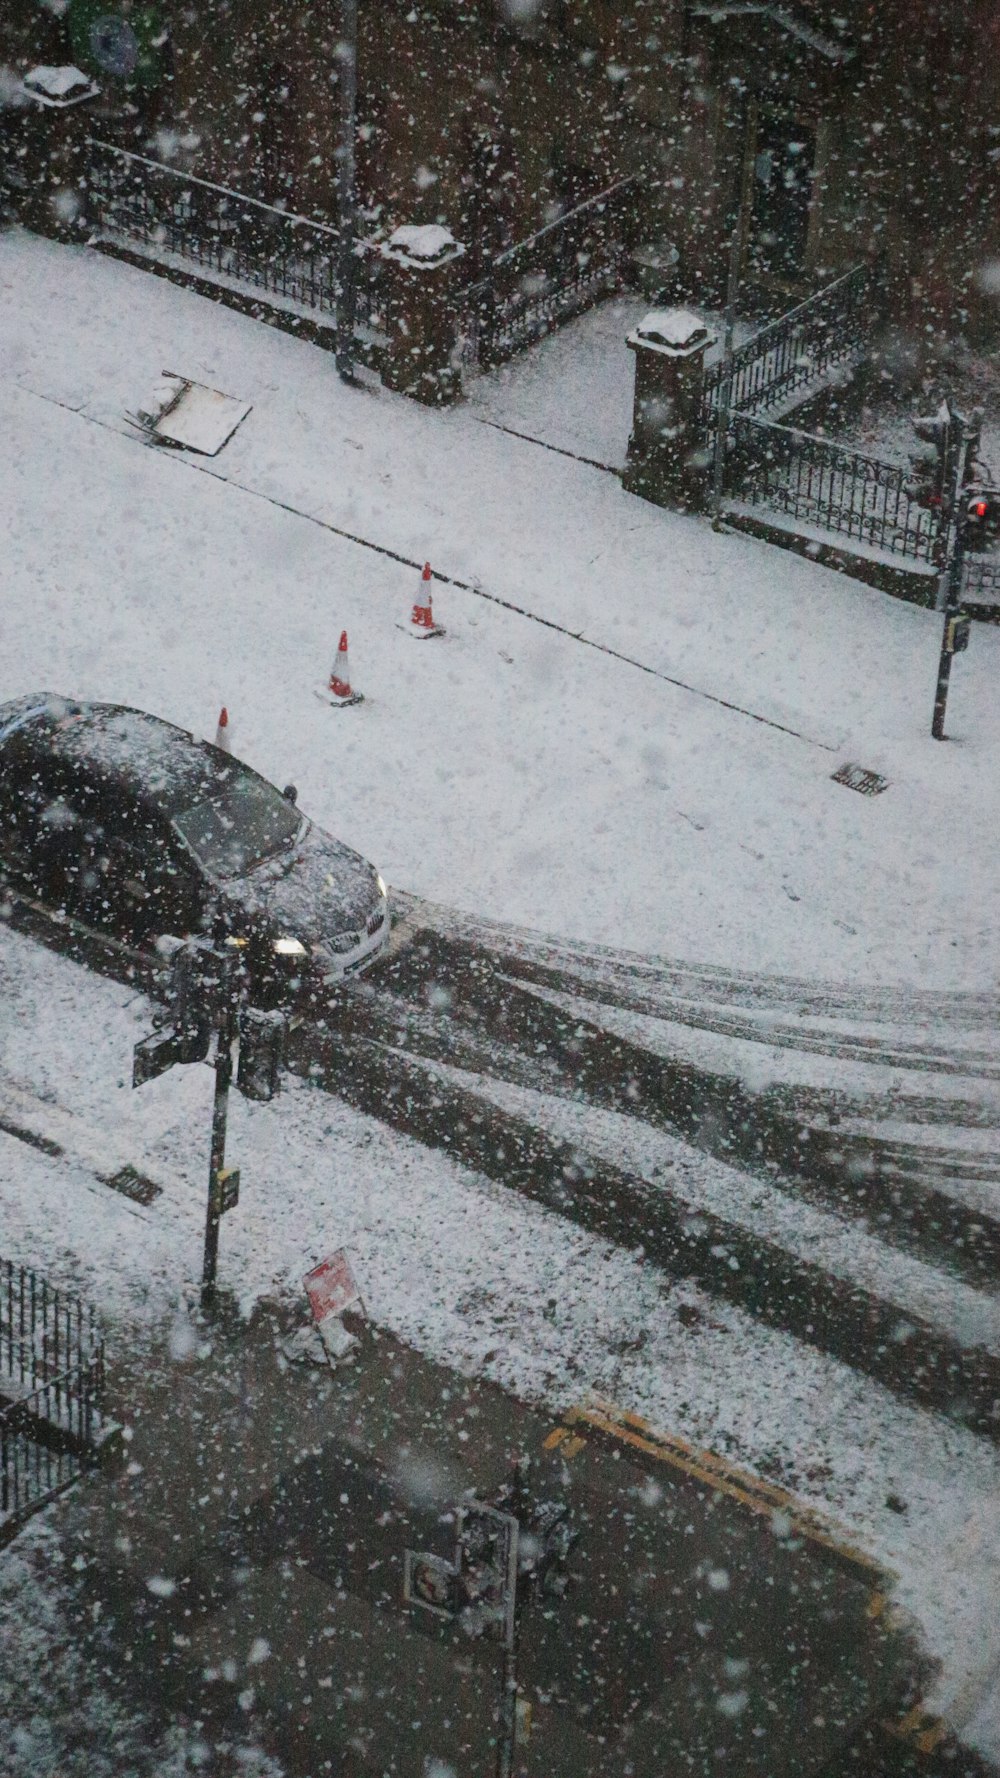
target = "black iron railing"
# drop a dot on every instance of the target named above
(530, 288)
(51, 1382)
(829, 487)
(43, 1332)
(224, 233)
(46, 1440)
(981, 579)
(792, 355)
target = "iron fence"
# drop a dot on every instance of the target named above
(793, 353)
(43, 1332)
(539, 282)
(46, 1440)
(981, 579)
(51, 1382)
(829, 487)
(225, 233)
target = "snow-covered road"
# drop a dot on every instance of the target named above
(519, 773)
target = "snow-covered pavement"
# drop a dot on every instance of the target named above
(512, 769)
(673, 796)
(476, 1277)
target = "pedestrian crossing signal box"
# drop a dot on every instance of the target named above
(262, 1048)
(957, 632)
(225, 1190)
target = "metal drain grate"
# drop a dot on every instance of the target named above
(858, 778)
(132, 1185)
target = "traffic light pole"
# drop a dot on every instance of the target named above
(223, 1182)
(726, 386)
(208, 993)
(507, 1742)
(217, 1160)
(953, 583)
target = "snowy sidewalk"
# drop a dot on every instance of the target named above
(511, 769)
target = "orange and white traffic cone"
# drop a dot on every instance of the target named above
(338, 691)
(222, 731)
(422, 622)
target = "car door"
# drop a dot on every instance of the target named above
(150, 887)
(22, 800)
(41, 827)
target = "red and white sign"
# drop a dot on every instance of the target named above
(331, 1286)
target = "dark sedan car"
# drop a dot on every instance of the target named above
(129, 826)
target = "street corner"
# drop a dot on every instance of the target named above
(728, 1614)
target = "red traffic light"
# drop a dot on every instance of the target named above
(979, 509)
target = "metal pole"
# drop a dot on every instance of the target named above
(726, 385)
(953, 583)
(507, 1743)
(347, 189)
(220, 1109)
(507, 1738)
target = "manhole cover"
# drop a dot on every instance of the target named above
(859, 778)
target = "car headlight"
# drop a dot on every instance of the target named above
(290, 947)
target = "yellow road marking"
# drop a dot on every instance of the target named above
(564, 1441)
(761, 1497)
(920, 1727)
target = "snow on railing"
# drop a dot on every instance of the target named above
(257, 245)
(530, 287)
(830, 487)
(793, 354)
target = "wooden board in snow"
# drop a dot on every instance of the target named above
(192, 416)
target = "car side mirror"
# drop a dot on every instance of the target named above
(291, 793)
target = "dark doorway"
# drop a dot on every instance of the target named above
(275, 121)
(488, 196)
(780, 195)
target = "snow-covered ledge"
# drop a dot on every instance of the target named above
(422, 246)
(677, 332)
(59, 88)
(422, 266)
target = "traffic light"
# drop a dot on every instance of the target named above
(981, 519)
(932, 471)
(926, 480)
(929, 478)
(194, 980)
(548, 1536)
(262, 1043)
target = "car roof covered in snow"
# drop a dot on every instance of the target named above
(154, 758)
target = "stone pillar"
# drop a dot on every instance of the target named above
(52, 162)
(668, 458)
(422, 271)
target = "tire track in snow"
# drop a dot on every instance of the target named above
(487, 1022)
(895, 1348)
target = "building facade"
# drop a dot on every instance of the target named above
(826, 133)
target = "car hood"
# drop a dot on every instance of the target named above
(318, 890)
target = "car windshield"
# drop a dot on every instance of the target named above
(242, 823)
